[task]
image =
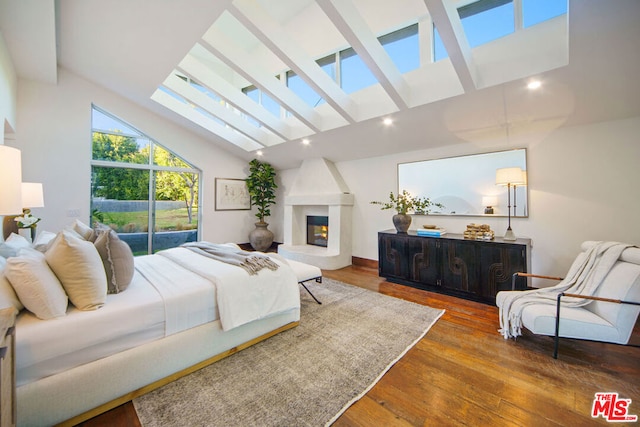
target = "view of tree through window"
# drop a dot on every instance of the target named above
(138, 186)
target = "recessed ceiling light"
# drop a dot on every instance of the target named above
(305, 141)
(387, 121)
(534, 84)
(259, 153)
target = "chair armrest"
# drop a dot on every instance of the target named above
(539, 276)
(616, 301)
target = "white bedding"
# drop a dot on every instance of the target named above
(163, 299)
(241, 297)
(128, 319)
(189, 299)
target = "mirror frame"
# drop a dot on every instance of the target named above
(500, 159)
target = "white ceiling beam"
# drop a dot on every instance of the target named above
(355, 30)
(195, 69)
(446, 19)
(207, 123)
(244, 64)
(236, 121)
(257, 20)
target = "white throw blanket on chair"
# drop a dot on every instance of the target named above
(585, 275)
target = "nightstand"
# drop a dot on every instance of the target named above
(7, 367)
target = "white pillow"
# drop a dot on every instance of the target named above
(79, 268)
(84, 230)
(8, 297)
(13, 244)
(36, 285)
(43, 240)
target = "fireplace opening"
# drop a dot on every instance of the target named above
(318, 230)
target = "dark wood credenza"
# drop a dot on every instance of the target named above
(451, 264)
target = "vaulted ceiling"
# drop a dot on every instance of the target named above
(587, 61)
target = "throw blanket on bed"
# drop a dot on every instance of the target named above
(242, 297)
(250, 261)
(584, 277)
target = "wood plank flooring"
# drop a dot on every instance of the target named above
(464, 373)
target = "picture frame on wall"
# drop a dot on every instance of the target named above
(232, 195)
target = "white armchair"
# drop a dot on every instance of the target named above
(609, 317)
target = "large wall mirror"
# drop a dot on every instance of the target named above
(466, 185)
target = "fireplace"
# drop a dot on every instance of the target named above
(318, 190)
(317, 230)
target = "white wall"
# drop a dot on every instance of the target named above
(583, 184)
(8, 89)
(54, 133)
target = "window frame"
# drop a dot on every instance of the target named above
(150, 166)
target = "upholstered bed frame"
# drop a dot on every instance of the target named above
(88, 390)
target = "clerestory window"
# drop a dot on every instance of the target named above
(146, 193)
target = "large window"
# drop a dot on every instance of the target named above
(146, 193)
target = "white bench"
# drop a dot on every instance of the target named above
(306, 272)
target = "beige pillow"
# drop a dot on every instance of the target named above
(8, 297)
(36, 285)
(79, 268)
(84, 230)
(117, 259)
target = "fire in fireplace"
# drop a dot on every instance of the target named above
(317, 230)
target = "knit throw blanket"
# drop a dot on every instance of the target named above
(252, 262)
(584, 277)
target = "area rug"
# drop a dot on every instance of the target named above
(306, 376)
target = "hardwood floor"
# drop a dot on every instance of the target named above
(464, 373)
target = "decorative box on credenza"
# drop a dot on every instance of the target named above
(7, 367)
(450, 264)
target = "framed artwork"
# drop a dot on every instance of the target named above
(232, 195)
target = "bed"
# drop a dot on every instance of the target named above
(179, 312)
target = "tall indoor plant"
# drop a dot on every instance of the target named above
(261, 184)
(404, 203)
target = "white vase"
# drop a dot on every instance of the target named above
(26, 233)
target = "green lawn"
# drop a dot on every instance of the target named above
(166, 220)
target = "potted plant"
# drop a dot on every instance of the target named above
(261, 185)
(404, 203)
(27, 224)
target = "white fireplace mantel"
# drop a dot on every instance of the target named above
(318, 190)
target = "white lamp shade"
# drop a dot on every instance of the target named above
(10, 181)
(489, 200)
(509, 176)
(32, 195)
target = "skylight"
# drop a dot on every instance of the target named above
(258, 80)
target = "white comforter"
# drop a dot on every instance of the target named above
(241, 297)
(164, 298)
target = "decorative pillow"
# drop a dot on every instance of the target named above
(36, 285)
(8, 297)
(117, 259)
(43, 240)
(84, 230)
(13, 244)
(79, 268)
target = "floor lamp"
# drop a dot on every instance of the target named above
(509, 177)
(11, 179)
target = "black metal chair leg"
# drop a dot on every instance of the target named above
(312, 296)
(557, 336)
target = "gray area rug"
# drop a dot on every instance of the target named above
(306, 376)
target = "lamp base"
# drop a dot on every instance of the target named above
(9, 226)
(509, 235)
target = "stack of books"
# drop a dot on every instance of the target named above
(431, 232)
